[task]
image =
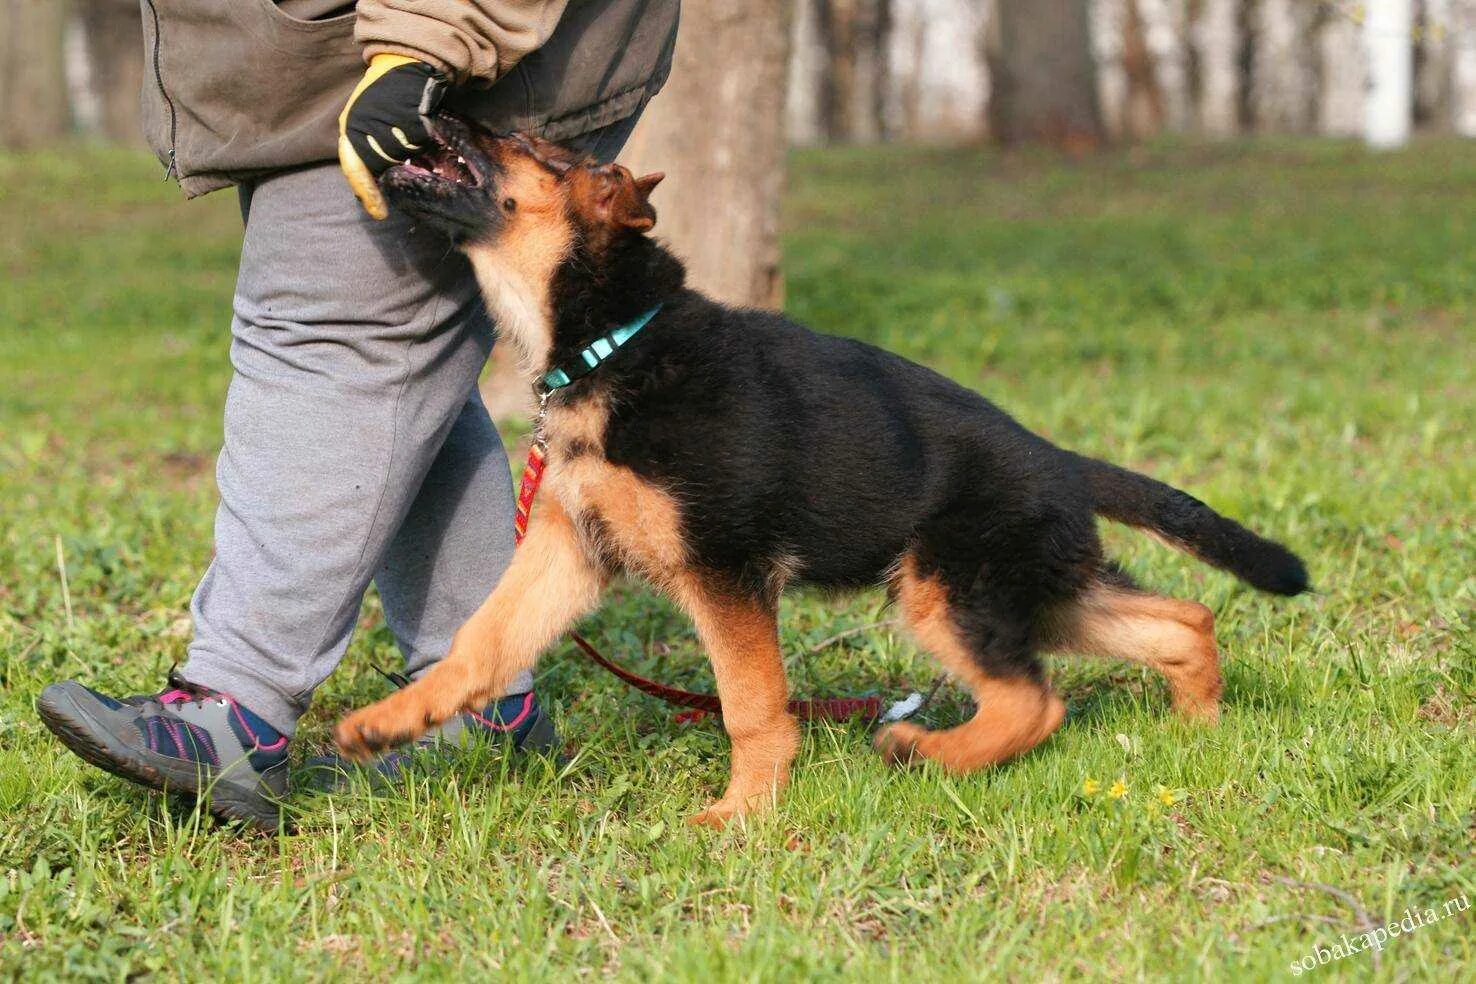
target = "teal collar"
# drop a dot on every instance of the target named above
(598, 351)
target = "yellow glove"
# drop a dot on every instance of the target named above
(384, 123)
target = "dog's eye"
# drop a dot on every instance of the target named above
(509, 205)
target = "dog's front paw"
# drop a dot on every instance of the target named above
(358, 739)
(377, 727)
(733, 806)
(718, 814)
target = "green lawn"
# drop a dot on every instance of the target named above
(1285, 329)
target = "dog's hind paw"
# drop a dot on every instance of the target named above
(897, 743)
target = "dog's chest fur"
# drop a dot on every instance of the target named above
(624, 521)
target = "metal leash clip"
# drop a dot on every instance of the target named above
(540, 439)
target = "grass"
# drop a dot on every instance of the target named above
(1284, 328)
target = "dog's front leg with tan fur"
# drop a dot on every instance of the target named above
(548, 585)
(742, 641)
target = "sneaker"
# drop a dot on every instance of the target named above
(516, 720)
(184, 739)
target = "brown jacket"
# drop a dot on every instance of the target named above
(236, 88)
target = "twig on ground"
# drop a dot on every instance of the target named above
(1299, 916)
(599, 914)
(1366, 922)
(61, 568)
(847, 633)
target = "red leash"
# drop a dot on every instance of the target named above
(830, 709)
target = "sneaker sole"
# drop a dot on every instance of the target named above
(540, 738)
(92, 743)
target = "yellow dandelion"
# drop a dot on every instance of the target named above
(1165, 795)
(1090, 787)
(1118, 791)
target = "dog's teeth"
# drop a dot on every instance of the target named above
(460, 159)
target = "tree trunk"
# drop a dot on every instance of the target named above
(1463, 67)
(938, 82)
(908, 56)
(1216, 44)
(1109, 42)
(855, 35)
(1283, 84)
(1342, 75)
(717, 131)
(1128, 90)
(1389, 111)
(1433, 69)
(808, 70)
(115, 58)
(1165, 32)
(1043, 73)
(33, 82)
(1143, 115)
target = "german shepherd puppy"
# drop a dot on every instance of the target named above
(724, 454)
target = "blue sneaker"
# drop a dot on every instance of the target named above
(516, 720)
(185, 739)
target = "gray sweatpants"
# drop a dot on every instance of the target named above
(357, 448)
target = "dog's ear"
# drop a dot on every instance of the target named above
(611, 198)
(638, 213)
(647, 183)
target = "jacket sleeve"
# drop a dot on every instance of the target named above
(469, 40)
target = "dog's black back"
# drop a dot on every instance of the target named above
(805, 457)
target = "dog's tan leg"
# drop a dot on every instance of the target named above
(549, 584)
(1014, 714)
(1176, 638)
(742, 641)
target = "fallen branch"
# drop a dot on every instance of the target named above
(1366, 921)
(847, 633)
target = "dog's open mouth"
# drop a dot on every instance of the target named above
(453, 161)
(449, 183)
(444, 163)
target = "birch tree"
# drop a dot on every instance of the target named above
(1165, 25)
(1143, 112)
(938, 84)
(1109, 55)
(807, 69)
(1342, 71)
(1434, 71)
(1463, 67)
(1215, 39)
(1282, 83)
(1389, 109)
(838, 70)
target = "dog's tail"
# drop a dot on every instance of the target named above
(1189, 525)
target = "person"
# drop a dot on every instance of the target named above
(357, 447)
